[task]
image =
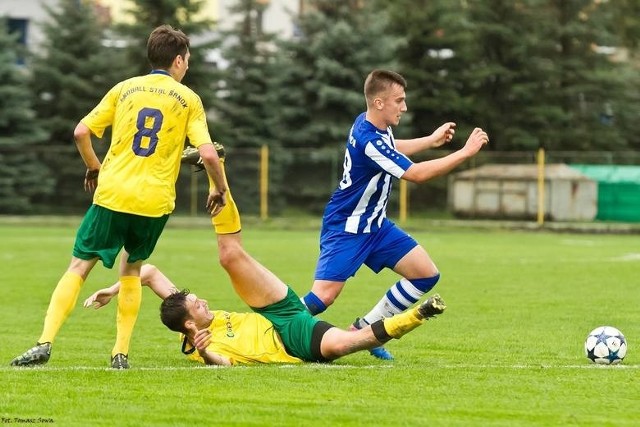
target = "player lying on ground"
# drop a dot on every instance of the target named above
(281, 330)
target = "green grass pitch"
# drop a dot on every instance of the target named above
(507, 352)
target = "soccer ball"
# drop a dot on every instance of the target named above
(605, 345)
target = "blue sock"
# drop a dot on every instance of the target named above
(313, 303)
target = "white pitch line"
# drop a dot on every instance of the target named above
(627, 257)
(534, 366)
(106, 369)
(180, 368)
(310, 366)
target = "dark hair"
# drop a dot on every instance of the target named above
(164, 44)
(379, 81)
(173, 311)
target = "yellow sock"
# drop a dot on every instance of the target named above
(128, 306)
(63, 299)
(402, 323)
(228, 220)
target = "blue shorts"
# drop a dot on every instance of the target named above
(342, 253)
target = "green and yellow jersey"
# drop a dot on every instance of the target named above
(151, 117)
(243, 338)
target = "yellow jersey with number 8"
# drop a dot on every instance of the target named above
(151, 117)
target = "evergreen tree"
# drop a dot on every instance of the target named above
(525, 71)
(322, 74)
(434, 57)
(587, 85)
(23, 178)
(474, 63)
(243, 111)
(512, 73)
(623, 108)
(625, 23)
(320, 88)
(180, 14)
(70, 75)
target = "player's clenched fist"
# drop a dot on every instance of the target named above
(476, 141)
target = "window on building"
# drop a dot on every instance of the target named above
(19, 27)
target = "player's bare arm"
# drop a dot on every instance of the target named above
(102, 297)
(429, 169)
(150, 276)
(82, 136)
(201, 339)
(217, 198)
(439, 137)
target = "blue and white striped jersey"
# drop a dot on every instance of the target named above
(359, 204)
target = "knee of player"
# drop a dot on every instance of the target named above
(335, 351)
(327, 298)
(430, 269)
(228, 255)
(336, 343)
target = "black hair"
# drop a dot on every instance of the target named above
(173, 311)
(164, 44)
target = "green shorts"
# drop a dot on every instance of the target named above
(103, 233)
(301, 333)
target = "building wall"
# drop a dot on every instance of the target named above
(32, 12)
(118, 9)
(511, 192)
(277, 17)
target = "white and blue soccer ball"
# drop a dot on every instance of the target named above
(605, 345)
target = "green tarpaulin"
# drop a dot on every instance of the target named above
(618, 191)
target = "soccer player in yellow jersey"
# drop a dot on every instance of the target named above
(151, 118)
(280, 330)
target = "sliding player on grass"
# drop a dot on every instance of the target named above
(281, 330)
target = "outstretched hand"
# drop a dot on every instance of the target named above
(98, 299)
(476, 141)
(443, 134)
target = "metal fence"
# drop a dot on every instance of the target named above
(304, 186)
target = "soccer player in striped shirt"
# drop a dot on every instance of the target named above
(355, 227)
(151, 118)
